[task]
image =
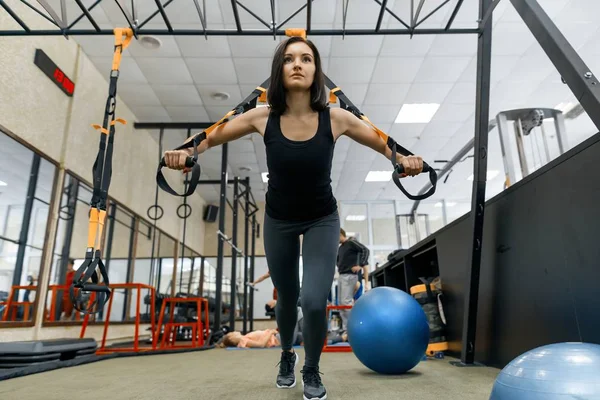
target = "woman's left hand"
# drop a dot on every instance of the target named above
(413, 165)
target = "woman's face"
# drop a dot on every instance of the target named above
(298, 67)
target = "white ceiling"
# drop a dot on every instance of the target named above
(378, 73)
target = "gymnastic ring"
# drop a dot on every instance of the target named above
(69, 215)
(188, 211)
(157, 214)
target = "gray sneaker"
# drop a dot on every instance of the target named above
(286, 379)
(313, 387)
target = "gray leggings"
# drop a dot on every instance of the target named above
(319, 254)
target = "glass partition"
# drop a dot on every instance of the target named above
(118, 258)
(69, 248)
(164, 281)
(26, 183)
(145, 251)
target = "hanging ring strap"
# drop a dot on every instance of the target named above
(345, 103)
(195, 141)
(93, 268)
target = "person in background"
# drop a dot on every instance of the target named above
(363, 285)
(353, 256)
(67, 304)
(260, 279)
(270, 306)
(263, 338)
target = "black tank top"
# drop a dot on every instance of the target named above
(299, 186)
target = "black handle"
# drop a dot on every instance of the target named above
(399, 169)
(90, 287)
(189, 162)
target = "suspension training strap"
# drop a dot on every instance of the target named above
(102, 172)
(345, 103)
(192, 162)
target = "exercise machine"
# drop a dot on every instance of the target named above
(530, 144)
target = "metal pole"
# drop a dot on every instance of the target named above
(219, 283)
(251, 308)
(559, 126)
(246, 245)
(234, 254)
(130, 261)
(72, 193)
(112, 219)
(520, 148)
(509, 166)
(189, 287)
(444, 212)
(484, 56)
(33, 178)
(201, 285)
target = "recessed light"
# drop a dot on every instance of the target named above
(378, 176)
(220, 96)
(416, 113)
(150, 42)
(356, 218)
(265, 177)
(2, 183)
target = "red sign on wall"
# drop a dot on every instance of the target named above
(53, 72)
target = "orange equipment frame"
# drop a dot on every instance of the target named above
(54, 289)
(170, 333)
(14, 305)
(136, 343)
(333, 348)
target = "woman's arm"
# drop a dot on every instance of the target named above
(242, 125)
(262, 278)
(348, 124)
(367, 284)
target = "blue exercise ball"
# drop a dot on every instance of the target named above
(557, 371)
(388, 330)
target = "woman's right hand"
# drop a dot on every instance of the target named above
(175, 159)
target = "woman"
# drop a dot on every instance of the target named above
(299, 133)
(254, 339)
(263, 338)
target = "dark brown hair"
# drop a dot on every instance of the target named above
(343, 232)
(276, 92)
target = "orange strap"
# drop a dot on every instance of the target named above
(221, 121)
(123, 37)
(96, 227)
(332, 94)
(262, 98)
(105, 131)
(376, 129)
(296, 32)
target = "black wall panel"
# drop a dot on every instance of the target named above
(540, 271)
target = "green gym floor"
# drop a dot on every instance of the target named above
(244, 374)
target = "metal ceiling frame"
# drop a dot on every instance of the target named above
(129, 10)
